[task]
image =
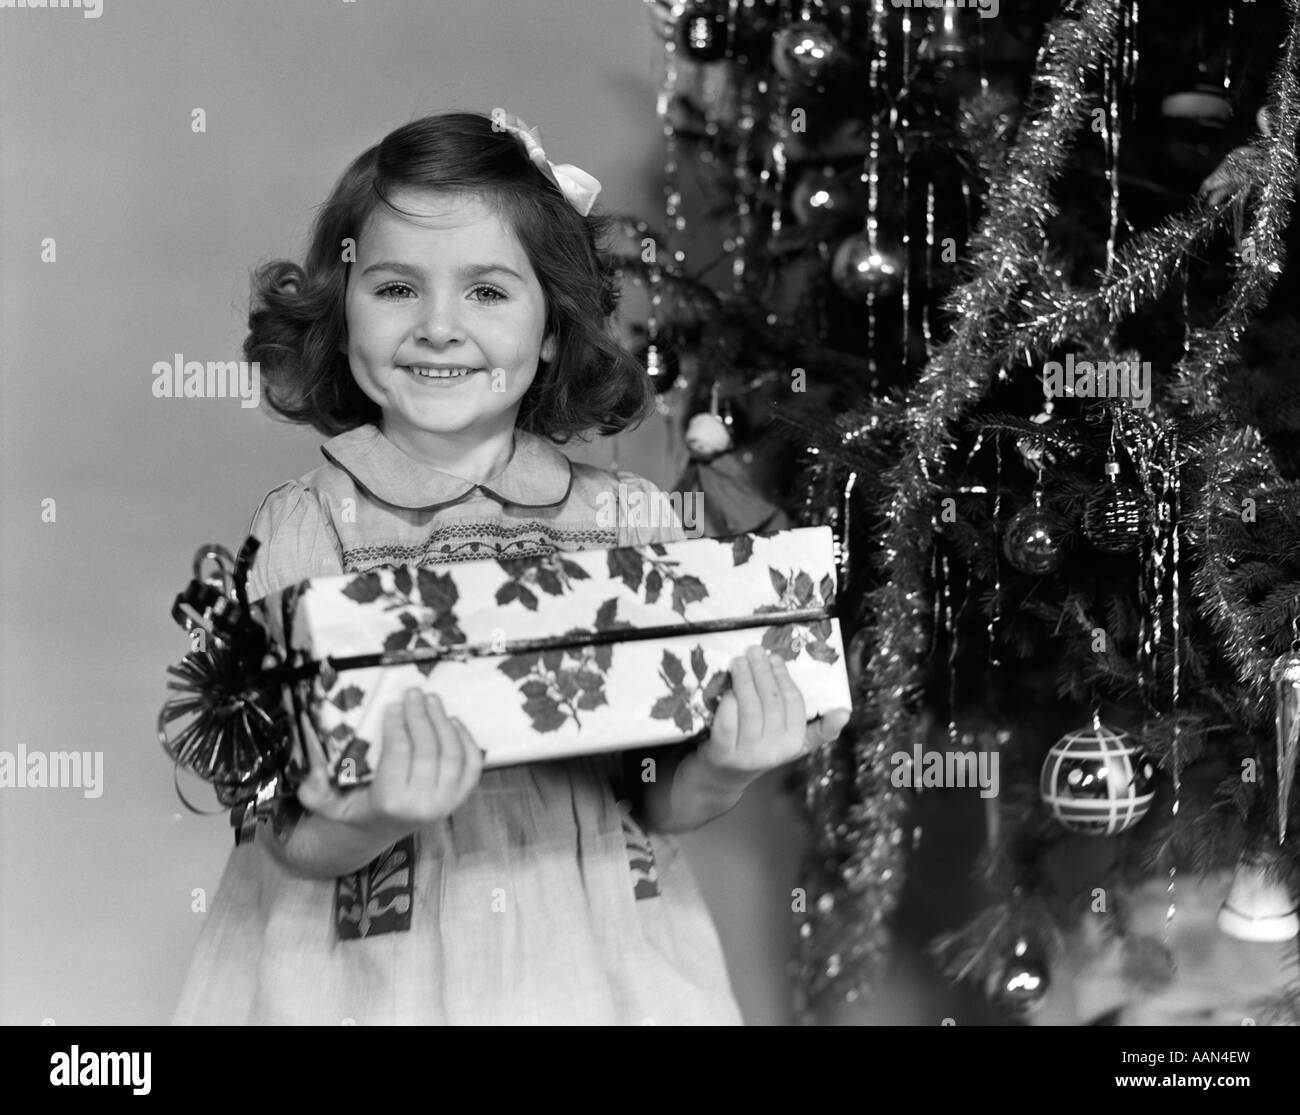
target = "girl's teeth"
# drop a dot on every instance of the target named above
(436, 373)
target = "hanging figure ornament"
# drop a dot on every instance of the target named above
(1114, 517)
(862, 269)
(1033, 450)
(707, 436)
(1096, 782)
(1037, 539)
(731, 494)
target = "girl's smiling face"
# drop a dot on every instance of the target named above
(449, 288)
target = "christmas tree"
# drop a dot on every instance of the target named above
(1001, 294)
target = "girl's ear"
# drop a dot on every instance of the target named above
(548, 348)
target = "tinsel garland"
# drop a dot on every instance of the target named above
(1142, 272)
(1237, 456)
(844, 936)
(1236, 465)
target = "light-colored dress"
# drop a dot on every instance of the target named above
(540, 900)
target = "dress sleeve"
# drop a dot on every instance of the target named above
(298, 540)
(658, 518)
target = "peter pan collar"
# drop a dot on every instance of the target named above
(537, 475)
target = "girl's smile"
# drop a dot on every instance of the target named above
(435, 372)
(445, 321)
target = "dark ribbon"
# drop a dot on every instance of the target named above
(462, 652)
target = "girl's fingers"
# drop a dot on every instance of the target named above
(393, 771)
(474, 758)
(315, 792)
(749, 708)
(317, 762)
(769, 693)
(720, 743)
(796, 712)
(426, 740)
(450, 753)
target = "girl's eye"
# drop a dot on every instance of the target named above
(401, 291)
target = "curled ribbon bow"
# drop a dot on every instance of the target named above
(577, 186)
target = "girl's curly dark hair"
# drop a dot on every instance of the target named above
(297, 327)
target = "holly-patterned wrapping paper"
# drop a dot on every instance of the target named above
(531, 705)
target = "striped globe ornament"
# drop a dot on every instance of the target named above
(1095, 782)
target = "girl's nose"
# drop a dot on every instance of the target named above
(439, 325)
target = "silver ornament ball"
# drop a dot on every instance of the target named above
(1018, 985)
(861, 269)
(805, 51)
(1036, 540)
(1096, 782)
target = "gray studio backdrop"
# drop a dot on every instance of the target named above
(107, 490)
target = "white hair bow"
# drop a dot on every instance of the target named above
(578, 187)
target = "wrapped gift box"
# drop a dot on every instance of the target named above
(575, 653)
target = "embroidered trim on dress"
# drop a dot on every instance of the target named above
(474, 541)
(378, 898)
(640, 855)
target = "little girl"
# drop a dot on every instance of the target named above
(450, 324)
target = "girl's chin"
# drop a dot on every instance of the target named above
(446, 419)
(422, 424)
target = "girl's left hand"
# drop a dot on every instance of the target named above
(761, 723)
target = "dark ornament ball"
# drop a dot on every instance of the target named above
(702, 31)
(823, 199)
(805, 52)
(861, 269)
(1018, 985)
(1036, 539)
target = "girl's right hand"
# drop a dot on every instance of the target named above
(428, 766)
